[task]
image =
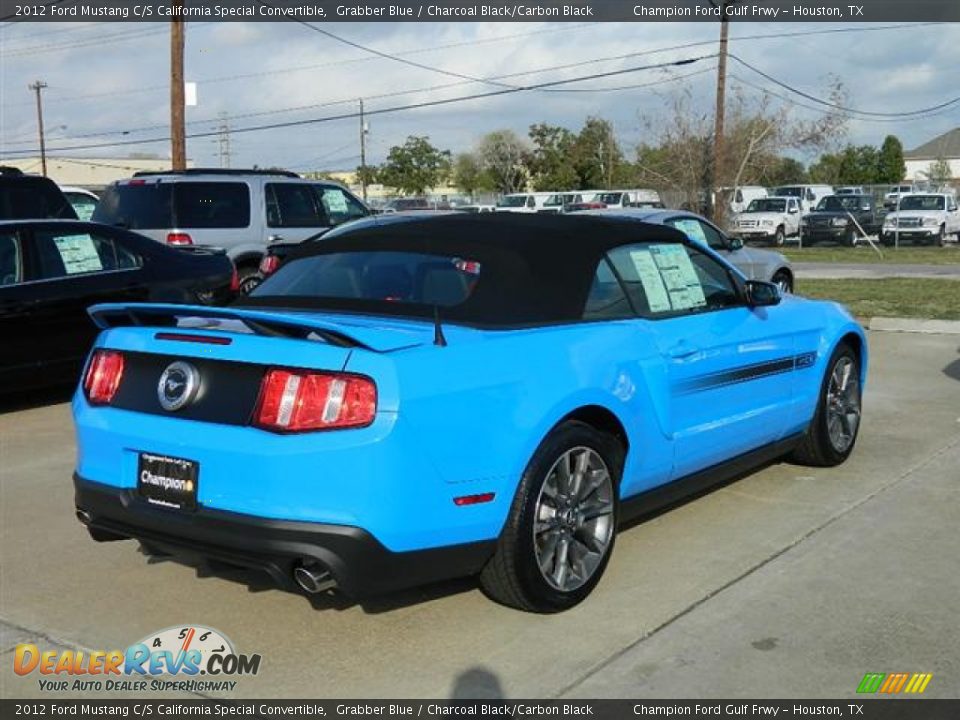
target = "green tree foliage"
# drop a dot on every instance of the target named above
(550, 163)
(469, 174)
(890, 165)
(368, 174)
(597, 159)
(415, 166)
(781, 171)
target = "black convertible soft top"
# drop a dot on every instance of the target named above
(536, 269)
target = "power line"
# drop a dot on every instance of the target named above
(835, 106)
(399, 108)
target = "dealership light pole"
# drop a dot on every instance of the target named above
(178, 141)
(37, 87)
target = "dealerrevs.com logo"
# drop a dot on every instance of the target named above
(189, 658)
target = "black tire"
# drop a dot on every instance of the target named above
(513, 576)
(779, 237)
(249, 277)
(886, 240)
(940, 239)
(816, 448)
(851, 238)
(783, 280)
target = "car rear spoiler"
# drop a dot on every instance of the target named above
(198, 317)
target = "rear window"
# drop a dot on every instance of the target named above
(923, 202)
(391, 276)
(188, 205)
(33, 197)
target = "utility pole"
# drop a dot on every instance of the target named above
(178, 141)
(223, 140)
(38, 86)
(718, 159)
(363, 152)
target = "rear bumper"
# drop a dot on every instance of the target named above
(359, 563)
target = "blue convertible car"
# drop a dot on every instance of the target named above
(428, 398)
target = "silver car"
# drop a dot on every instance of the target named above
(755, 264)
(241, 211)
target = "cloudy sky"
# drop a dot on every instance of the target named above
(108, 82)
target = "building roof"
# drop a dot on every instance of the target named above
(945, 146)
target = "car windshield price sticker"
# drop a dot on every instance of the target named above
(692, 229)
(79, 254)
(657, 297)
(335, 200)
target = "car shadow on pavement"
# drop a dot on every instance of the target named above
(477, 683)
(953, 369)
(31, 399)
(259, 581)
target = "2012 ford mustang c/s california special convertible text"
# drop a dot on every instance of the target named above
(426, 398)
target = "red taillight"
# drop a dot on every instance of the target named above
(103, 376)
(234, 280)
(295, 401)
(179, 239)
(269, 264)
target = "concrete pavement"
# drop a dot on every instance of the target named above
(874, 271)
(791, 582)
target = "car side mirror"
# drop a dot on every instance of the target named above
(793, 211)
(762, 294)
(734, 243)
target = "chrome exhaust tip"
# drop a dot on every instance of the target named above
(83, 516)
(313, 578)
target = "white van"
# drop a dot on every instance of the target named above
(738, 199)
(619, 199)
(523, 202)
(809, 195)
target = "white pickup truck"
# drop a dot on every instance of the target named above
(771, 220)
(922, 217)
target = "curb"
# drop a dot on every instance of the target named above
(915, 325)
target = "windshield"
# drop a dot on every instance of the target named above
(839, 204)
(391, 276)
(789, 191)
(923, 202)
(767, 205)
(512, 201)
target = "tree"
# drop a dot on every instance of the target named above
(469, 175)
(939, 171)
(551, 161)
(368, 174)
(782, 171)
(503, 156)
(890, 165)
(597, 158)
(415, 166)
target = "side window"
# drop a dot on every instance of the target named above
(531, 202)
(62, 253)
(339, 206)
(669, 279)
(11, 260)
(700, 232)
(952, 205)
(606, 300)
(294, 205)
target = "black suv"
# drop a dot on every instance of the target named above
(27, 197)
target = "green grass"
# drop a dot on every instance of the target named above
(949, 255)
(890, 297)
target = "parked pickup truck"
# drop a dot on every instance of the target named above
(771, 219)
(923, 217)
(833, 219)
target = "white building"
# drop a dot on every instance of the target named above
(945, 147)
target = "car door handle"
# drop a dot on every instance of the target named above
(275, 239)
(682, 350)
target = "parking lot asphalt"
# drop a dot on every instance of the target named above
(790, 582)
